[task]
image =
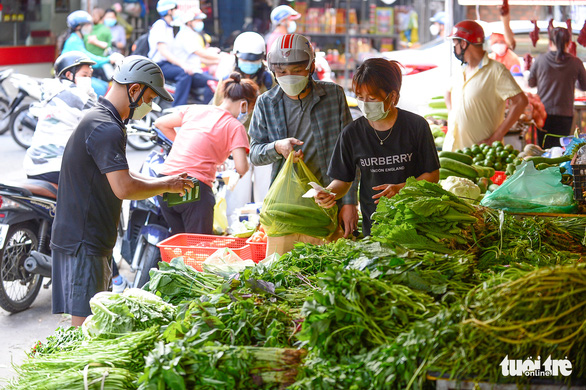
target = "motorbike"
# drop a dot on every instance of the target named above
(22, 122)
(4, 101)
(146, 226)
(27, 210)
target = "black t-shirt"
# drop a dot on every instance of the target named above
(88, 212)
(408, 151)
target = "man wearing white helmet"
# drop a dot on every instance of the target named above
(93, 181)
(161, 41)
(190, 48)
(301, 115)
(283, 20)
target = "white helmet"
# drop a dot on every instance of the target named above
(250, 46)
(291, 49)
(283, 12)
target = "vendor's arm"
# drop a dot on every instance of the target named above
(348, 214)
(92, 39)
(509, 35)
(127, 186)
(582, 77)
(240, 161)
(76, 43)
(516, 108)
(208, 56)
(168, 123)
(390, 190)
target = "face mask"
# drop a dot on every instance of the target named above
(434, 29)
(373, 111)
(291, 27)
(86, 30)
(243, 116)
(460, 57)
(500, 49)
(249, 67)
(293, 85)
(142, 110)
(198, 26)
(110, 22)
(84, 84)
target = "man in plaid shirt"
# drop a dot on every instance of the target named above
(300, 115)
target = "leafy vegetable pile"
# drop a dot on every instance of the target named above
(440, 285)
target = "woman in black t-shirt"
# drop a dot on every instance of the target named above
(387, 144)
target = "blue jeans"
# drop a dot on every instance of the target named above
(200, 80)
(182, 81)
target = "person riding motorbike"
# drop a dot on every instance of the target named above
(65, 99)
(283, 20)
(79, 24)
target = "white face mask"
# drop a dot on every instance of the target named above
(198, 26)
(373, 111)
(142, 110)
(86, 30)
(434, 29)
(291, 27)
(292, 85)
(243, 116)
(500, 49)
(84, 84)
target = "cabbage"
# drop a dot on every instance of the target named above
(461, 187)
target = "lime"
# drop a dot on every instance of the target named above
(509, 148)
(477, 160)
(458, 150)
(498, 166)
(503, 154)
(515, 152)
(510, 159)
(496, 144)
(480, 156)
(487, 163)
(468, 152)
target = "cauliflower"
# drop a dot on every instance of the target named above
(461, 187)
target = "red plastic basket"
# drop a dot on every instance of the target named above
(196, 248)
(258, 249)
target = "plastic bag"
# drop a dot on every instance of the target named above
(285, 211)
(530, 190)
(224, 262)
(220, 218)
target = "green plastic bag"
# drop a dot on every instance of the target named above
(532, 191)
(285, 211)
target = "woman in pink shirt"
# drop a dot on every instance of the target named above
(207, 136)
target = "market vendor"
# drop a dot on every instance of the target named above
(387, 144)
(304, 116)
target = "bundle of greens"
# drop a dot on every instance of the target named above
(181, 365)
(423, 216)
(134, 309)
(63, 340)
(504, 239)
(532, 314)
(352, 312)
(108, 363)
(176, 282)
(250, 319)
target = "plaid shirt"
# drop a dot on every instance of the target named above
(329, 114)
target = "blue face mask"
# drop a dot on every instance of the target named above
(198, 26)
(110, 22)
(249, 67)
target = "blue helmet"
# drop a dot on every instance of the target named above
(77, 18)
(439, 17)
(164, 6)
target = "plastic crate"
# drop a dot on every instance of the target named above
(579, 172)
(196, 248)
(258, 249)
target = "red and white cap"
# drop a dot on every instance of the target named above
(291, 49)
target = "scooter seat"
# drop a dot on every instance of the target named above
(40, 188)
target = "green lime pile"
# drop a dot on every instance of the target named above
(496, 156)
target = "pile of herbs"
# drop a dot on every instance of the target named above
(175, 282)
(181, 365)
(423, 216)
(107, 363)
(64, 339)
(521, 314)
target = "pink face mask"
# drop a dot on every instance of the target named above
(499, 48)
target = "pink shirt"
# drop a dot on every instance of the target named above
(207, 136)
